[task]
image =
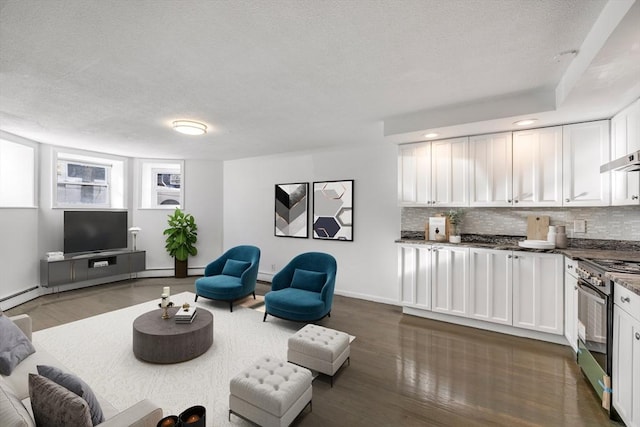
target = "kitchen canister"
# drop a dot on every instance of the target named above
(561, 237)
(551, 236)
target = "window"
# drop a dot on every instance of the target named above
(17, 174)
(91, 182)
(161, 184)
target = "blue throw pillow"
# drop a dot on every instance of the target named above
(308, 280)
(234, 267)
(74, 385)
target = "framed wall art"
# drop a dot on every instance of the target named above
(333, 210)
(291, 210)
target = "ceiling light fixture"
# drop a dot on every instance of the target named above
(431, 135)
(525, 122)
(189, 127)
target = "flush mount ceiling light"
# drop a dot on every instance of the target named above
(564, 54)
(189, 127)
(431, 135)
(525, 122)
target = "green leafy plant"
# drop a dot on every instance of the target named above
(181, 235)
(455, 218)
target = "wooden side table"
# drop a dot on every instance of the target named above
(158, 340)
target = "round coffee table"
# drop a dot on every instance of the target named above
(159, 340)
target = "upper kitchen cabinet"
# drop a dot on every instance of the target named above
(585, 148)
(537, 167)
(625, 139)
(433, 173)
(490, 170)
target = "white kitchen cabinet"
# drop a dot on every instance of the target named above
(414, 272)
(450, 280)
(538, 292)
(537, 167)
(586, 147)
(626, 355)
(433, 173)
(571, 302)
(490, 170)
(625, 139)
(490, 285)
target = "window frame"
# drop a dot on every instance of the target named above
(115, 178)
(33, 188)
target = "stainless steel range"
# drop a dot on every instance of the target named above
(595, 320)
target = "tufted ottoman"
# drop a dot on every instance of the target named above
(270, 392)
(321, 349)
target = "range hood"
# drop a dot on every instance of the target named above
(628, 163)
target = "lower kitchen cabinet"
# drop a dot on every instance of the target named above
(626, 355)
(538, 285)
(450, 280)
(414, 272)
(511, 288)
(490, 285)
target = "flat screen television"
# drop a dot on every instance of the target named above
(93, 231)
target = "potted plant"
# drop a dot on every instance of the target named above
(181, 238)
(455, 219)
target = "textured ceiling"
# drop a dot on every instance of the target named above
(273, 76)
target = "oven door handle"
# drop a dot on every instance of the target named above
(598, 299)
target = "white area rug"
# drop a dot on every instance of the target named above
(99, 350)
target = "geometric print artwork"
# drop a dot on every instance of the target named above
(333, 210)
(291, 210)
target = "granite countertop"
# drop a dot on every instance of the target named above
(629, 281)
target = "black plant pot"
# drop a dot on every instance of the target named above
(197, 414)
(167, 421)
(181, 268)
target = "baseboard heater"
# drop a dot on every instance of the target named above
(18, 294)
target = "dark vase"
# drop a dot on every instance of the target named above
(181, 268)
(193, 417)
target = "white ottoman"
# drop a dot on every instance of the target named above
(321, 349)
(270, 392)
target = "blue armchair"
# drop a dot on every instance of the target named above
(303, 289)
(231, 277)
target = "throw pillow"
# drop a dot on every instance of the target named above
(308, 280)
(234, 267)
(14, 346)
(54, 405)
(75, 385)
(12, 411)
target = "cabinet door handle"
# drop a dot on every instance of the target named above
(634, 197)
(508, 200)
(575, 288)
(509, 256)
(515, 201)
(638, 336)
(567, 200)
(625, 299)
(570, 267)
(516, 257)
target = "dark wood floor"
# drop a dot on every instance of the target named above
(404, 371)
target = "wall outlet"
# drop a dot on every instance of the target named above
(580, 226)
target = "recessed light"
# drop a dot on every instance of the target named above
(431, 135)
(189, 127)
(525, 122)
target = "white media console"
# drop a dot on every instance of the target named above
(99, 266)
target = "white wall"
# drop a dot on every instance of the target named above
(203, 200)
(367, 267)
(27, 234)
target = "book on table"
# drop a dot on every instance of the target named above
(185, 315)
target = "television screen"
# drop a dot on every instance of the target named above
(90, 231)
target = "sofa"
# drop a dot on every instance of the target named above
(16, 406)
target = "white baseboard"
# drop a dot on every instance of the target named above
(487, 326)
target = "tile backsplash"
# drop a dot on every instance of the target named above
(611, 223)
